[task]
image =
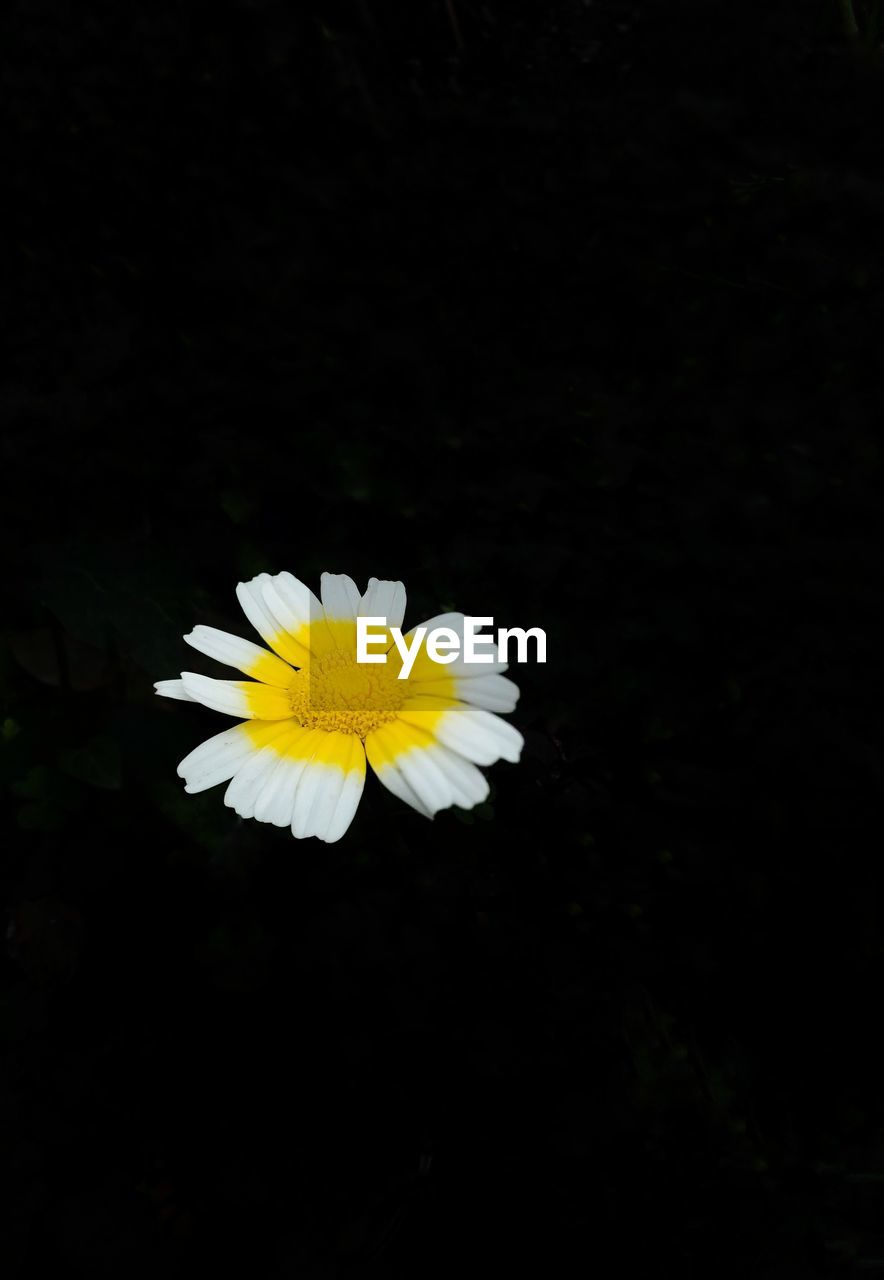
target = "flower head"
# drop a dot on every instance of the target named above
(312, 714)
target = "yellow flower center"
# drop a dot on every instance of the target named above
(338, 693)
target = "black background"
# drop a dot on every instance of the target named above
(566, 313)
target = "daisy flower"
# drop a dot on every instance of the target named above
(312, 715)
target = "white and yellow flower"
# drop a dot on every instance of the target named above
(311, 714)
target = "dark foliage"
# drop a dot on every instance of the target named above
(571, 314)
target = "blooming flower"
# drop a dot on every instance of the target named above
(311, 714)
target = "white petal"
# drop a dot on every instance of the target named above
(251, 597)
(276, 798)
(215, 760)
(384, 599)
(426, 779)
(291, 603)
(492, 693)
(325, 786)
(266, 793)
(316, 788)
(272, 617)
(340, 597)
(173, 689)
(456, 622)
(469, 787)
(227, 696)
(387, 749)
(422, 771)
(393, 780)
(478, 735)
(242, 654)
(345, 809)
(248, 781)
